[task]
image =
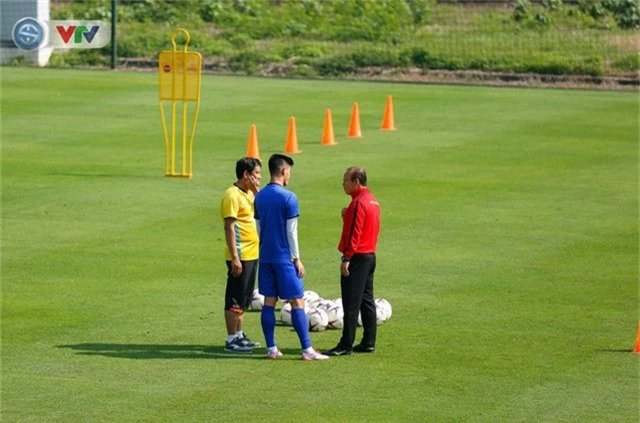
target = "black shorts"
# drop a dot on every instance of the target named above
(240, 290)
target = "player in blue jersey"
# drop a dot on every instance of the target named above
(281, 270)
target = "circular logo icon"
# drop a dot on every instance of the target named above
(167, 68)
(28, 33)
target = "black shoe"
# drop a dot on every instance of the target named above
(362, 349)
(249, 343)
(237, 346)
(338, 351)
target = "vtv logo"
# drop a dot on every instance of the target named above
(78, 32)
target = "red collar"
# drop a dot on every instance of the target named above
(358, 192)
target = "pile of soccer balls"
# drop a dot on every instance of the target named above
(323, 314)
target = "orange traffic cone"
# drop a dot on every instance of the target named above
(387, 119)
(354, 125)
(252, 147)
(292, 138)
(636, 350)
(327, 130)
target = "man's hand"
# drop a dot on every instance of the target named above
(253, 183)
(300, 267)
(344, 268)
(236, 267)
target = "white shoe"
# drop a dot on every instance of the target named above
(313, 355)
(274, 353)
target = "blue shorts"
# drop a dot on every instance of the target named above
(280, 280)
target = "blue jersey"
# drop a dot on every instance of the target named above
(274, 205)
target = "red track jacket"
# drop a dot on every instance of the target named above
(361, 224)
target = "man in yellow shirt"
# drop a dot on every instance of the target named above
(241, 252)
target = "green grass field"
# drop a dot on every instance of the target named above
(509, 251)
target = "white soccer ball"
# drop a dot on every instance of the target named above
(285, 314)
(380, 315)
(319, 303)
(335, 314)
(310, 296)
(327, 305)
(338, 302)
(383, 310)
(257, 301)
(318, 320)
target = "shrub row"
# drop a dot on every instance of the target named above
(602, 13)
(332, 38)
(328, 61)
(343, 20)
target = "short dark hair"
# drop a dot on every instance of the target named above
(357, 173)
(248, 164)
(277, 162)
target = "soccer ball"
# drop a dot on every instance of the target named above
(326, 305)
(380, 315)
(285, 314)
(318, 303)
(310, 296)
(318, 320)
(257, 301)
(335, 315)
(383, 310)
(338, 302)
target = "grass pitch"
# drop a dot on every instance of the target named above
(509, 251)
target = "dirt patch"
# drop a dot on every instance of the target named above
(503, 79)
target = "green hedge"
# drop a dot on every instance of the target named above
(338, 37)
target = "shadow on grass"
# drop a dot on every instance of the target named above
(616, 350)
(158, 351)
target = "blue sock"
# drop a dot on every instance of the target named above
(268, 321)
(301, 325)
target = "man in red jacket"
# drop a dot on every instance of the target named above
(360, 228)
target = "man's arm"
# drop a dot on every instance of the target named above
(355, 228)
(292, 237)
(230, 238)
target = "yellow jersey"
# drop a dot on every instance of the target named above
(238, 204)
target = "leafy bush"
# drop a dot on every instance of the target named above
(303, 70)
(376, 56)
(137, 40)
(627, 14)
(541, 19)
(552, 4)
(302, 50)
(335, 65)
(19, 61)
(77, 57)
(630, 63)
(593, 8)
(249, 61)
(522, 10)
